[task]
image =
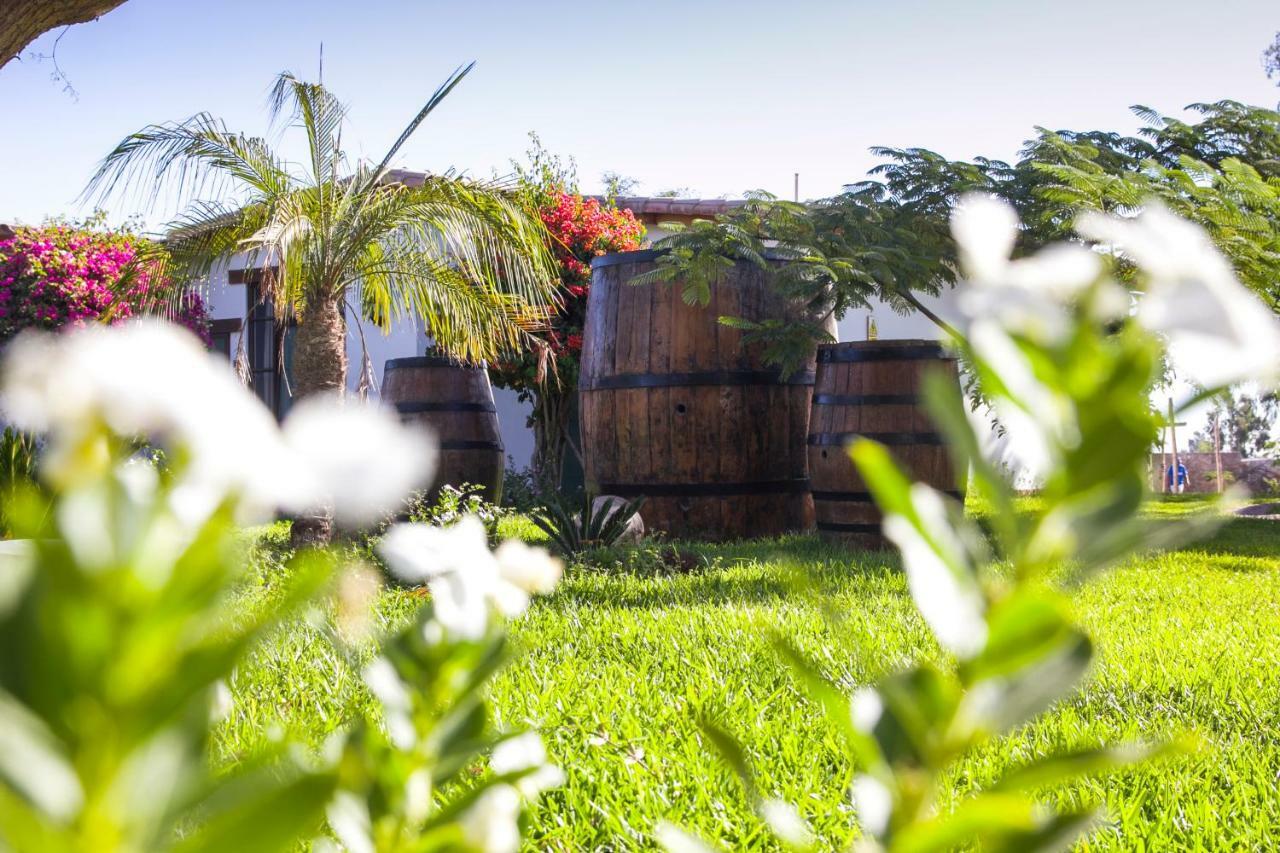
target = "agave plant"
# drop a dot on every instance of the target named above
(573, 531)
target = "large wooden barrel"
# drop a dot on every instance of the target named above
(872, 389)
(456, 403)
(674, 408)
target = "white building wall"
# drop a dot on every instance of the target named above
(229, 302)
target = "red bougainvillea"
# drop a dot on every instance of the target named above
(61, 275)
(579, 229)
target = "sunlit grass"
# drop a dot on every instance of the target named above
(615, 667)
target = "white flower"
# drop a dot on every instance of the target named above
(490, 824)
(873, 803)
(673, 839)
(467, 580)
(786, 822)
(1037, 421)
(938, 575)
(865, 708)
(348, 817)
(153, 379)
(221, 703)
(526, 752)
(363, 460)
(531, 569)
(1030, 296)
(1219, 333)
(385, 684)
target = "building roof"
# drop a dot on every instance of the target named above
(664, 206)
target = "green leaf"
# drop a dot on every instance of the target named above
(733, 754)
(1062, 767)
(260, 812)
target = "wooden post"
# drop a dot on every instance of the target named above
(1217, 450)
(1164, 458)
(1173, 434)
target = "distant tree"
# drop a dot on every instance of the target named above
(1246, 422)
(23, 21)
(1271, 59)
(617, 185)
(674, 192)
(1222, 172)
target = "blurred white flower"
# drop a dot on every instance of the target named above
(348, 817)
(673, 839)
(938, 574)
(387, 687)
(221, 703)
(491, 823)
(363, 460)
(153, 379)
(526, 752)
(786, 822)
(464, 577)
(865, 708)
(1219, 333)
(1036, 420)
(873, 803)
(531, 569)
(1030, 296)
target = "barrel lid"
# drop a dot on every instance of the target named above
(643, 256)
(429, 361)
(906, 349)
(640, 256)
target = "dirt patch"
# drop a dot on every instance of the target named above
(1271, 511)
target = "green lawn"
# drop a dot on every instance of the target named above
(615, 667)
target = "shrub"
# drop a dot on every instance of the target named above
(61, 274)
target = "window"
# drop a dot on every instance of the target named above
(269, 349)
(220, 332)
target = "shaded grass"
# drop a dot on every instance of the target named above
(615, 668)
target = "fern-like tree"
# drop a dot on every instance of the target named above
(338, 239)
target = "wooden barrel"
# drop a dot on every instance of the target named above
(872, 389)
(674, 408)
(456, 403)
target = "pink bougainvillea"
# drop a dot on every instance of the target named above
(60, 275)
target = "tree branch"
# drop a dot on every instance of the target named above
(23, 21)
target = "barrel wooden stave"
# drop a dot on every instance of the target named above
(691, 434)
(881, 400)
(456, 403)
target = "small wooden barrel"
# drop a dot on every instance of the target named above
(872, 389)
(456, 403)
(674, 408)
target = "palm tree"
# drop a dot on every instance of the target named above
(460, 255)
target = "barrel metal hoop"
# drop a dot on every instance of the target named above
(428, 361)
(471, 445)
(866, 399)
(797, 485)
(621, 381)
(850, 497)
(865, 497)
(846, 527)
(894, 439)
(835, 355)
(409, 408)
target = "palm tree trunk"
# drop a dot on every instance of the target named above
(320, 350)
(319, 367)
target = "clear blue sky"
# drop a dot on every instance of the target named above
(713, 95)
